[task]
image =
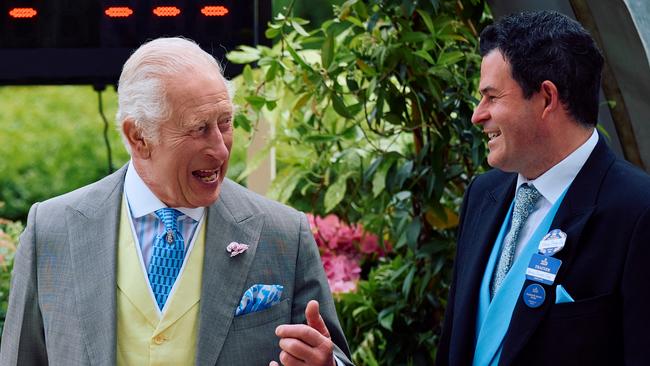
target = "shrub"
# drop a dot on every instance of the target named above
(372, 118)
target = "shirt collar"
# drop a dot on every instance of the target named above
(554, 181)
(143, 202)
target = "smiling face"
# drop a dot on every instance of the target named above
(188, 164)
(512, 123)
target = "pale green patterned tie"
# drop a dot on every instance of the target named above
(525, 201)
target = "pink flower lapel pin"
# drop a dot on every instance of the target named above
(235, 248)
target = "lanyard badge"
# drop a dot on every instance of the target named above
(543, 268)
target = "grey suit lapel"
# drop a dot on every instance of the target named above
(224, 277)
(92, 237)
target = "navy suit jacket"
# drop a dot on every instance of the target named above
(605, 268)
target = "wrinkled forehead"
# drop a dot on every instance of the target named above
(197, 94)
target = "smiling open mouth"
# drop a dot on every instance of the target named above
(207, 176)
(493, 135)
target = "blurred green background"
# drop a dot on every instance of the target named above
(52, 142)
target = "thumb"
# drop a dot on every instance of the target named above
(314, 320)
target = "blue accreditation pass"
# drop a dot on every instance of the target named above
(534, 295)
(543, 269)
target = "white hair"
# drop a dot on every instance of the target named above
(141, 88)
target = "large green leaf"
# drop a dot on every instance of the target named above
(327, 51)
(426, 18)
(408, 281)
(296, 25)
(284, 184)
(241, 121)
(379, 179)
(256, 101)
(386, 318)
(448, 58)
(244, 55)
(339, 106)
(335, 193)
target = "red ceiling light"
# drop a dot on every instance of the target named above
(22, 13)
(166, 11)
(118, 12)
(214, 11)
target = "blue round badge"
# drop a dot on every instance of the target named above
(534, 295)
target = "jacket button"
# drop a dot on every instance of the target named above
(159, 339)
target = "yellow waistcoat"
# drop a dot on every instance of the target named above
(143, 336)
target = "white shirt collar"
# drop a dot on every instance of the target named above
(143, 202)
(554, 181)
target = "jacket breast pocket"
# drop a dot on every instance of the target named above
(258, 318)
(601, 305)
(584, 332)
(251, 339)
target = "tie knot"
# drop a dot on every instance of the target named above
(527, 197)
(169, 217)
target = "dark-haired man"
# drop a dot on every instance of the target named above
(554, 243)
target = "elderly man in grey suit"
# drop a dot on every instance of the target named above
(166, 262)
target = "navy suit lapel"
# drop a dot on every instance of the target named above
(572, 217)
(475, 253)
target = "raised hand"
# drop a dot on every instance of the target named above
(308, 344)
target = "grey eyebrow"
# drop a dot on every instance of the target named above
(487, 89)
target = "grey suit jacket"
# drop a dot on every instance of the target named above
(63, 293)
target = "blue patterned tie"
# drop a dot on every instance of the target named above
(525, 201)
(167, 257)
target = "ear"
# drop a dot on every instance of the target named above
(548, 91)
(140, 148)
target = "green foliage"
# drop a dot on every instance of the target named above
(372, 117)
(388, 316)
(51, 143)
(9, 232)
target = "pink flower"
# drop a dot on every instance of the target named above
(342, 247)
(369, 244)
(342, 272)
(342, 287)
(328, 228)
